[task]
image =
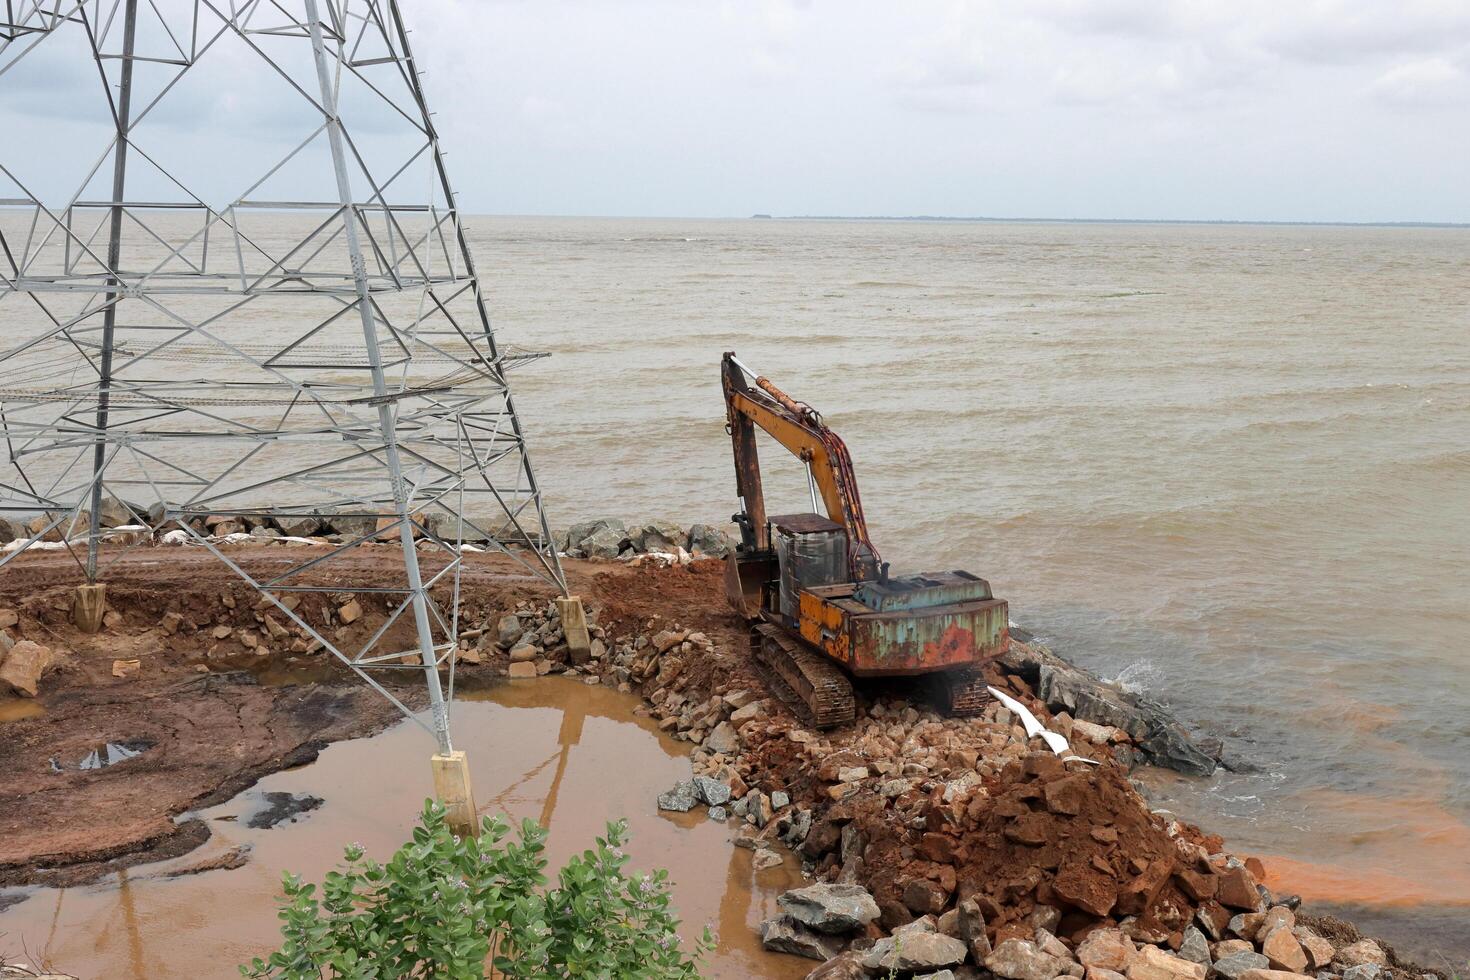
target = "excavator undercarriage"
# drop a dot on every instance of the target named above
(823, 606)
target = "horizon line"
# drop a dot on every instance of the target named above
(986, 219)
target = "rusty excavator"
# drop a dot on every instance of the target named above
(821, 601)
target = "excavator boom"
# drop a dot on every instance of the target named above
(799, 428)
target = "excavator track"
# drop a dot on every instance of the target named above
(961, 693)
(816, 682)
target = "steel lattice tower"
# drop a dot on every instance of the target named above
(247, 326)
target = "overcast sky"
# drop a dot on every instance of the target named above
(1215, 109)
(1237, 109)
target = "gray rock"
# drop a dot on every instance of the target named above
(941, 975)
(1195, 947)
(1170, 747)
(830, 908)
(780, 800)
(578, 533)
(115, 513)
(1164, 743)
(924, 923)
(711, 791)
(354, 526)
(718, 813)
(680, 799)
(783, 934)
(1232, 966)
(723, 739)
(1359, 953)
(917, 951)
(508, 630)
(1018, 959)
(603, 543)
(299, 525)
(657, 535)
(971, 925)
(1363, 971)
(709, 541)
(801, 825)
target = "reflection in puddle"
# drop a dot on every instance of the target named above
(111, 754)
(554, 750)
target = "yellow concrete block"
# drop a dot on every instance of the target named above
(453, 790)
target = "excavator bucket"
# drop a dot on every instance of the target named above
(745, 581)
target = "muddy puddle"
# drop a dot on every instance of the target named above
(17, 708)
(553, 750)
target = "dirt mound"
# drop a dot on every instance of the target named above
(1076, 839)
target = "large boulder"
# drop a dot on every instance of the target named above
(299, 525)
(1238, 890)
(680, 799)
(724, 739)
(1195, 947)
(24, 666)
(1361, 953)
(354, 525)
(1021, 959)
(115, 513)
(1153, 963)
(1234, 966)
(1106, 949)
(8, 532)
(605, 542)
(657, 535)
(1064, 687)
(970, 927)
(783, 934)
(712, 792)
(846, 966)
(1273, 975)
(708, 542)
(508, 630)
(917, 951)
(1281, 947)
(830, 908)
(578, 533)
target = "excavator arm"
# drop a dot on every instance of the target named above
(799, 428)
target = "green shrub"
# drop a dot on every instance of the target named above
(465, 909)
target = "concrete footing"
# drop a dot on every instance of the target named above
(452, 787)
(88, 605)
(574, 627)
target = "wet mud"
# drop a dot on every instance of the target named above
(552, 750)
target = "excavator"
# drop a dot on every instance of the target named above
(822, 605)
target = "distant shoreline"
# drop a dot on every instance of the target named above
(1107, 221)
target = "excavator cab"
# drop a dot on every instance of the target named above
(821, 600)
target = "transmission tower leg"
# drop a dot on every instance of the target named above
(386, 423)
(90, 601)
(88, 606)
(452, 788)
(574, 626)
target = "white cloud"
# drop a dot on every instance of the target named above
(1431, 81)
